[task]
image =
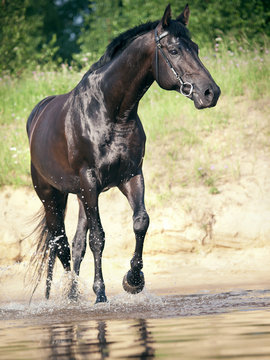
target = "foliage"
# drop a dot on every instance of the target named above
(41, 32)
(38, 32)
(209, 20)
(239, 18)
(17, 47)
(62, 21)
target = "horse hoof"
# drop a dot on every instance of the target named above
(138, 283)
(73, 296)
(101, 299)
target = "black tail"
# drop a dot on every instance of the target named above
(40, 258)
(48, 247)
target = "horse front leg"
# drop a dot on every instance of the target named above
(133, 281)
(89, 197)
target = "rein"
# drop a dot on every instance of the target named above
(185, 84)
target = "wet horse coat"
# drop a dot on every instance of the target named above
(91, 139)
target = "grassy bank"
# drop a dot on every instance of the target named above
(185, 146)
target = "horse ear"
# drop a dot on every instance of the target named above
(166, 17)
(184, 16)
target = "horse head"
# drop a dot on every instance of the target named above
(176, 64)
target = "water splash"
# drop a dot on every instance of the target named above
(14, 302)
(143, 305)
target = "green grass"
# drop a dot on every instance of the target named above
(181, 139)
(17, 98)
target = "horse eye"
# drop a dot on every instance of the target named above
(173, 52)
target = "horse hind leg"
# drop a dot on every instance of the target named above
(78, 249)
(56, 243)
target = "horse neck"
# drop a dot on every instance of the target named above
(128, 77)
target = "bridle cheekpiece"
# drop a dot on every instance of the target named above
(184, 84)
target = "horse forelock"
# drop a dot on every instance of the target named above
(177, 29)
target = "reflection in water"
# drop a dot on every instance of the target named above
(72, 341)
(231, 325)
(76, 341)
(147, 340)
(102, 341)
(235, 335)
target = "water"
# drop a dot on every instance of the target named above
(225, 325)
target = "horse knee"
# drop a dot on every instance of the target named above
(141, 223)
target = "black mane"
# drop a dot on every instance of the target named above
(123, 40)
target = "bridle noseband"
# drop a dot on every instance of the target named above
(159, 48)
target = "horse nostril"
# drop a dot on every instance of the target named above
(208, 93)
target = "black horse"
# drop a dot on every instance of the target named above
(91, 139)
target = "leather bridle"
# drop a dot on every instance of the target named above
(184, 84)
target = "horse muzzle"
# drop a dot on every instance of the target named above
(206, 96)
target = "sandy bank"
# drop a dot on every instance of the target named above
(221, 243)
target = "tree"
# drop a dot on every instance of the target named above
(17, 46)
(38, 32)
(62, 20)
(236, 19)
(209, 19)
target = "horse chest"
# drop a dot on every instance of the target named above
(119, 161)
